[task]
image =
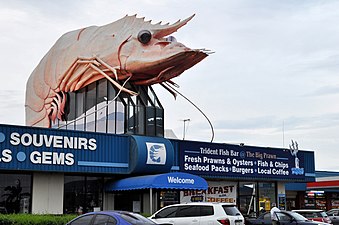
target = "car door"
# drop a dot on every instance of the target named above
(206, 215)
(285, 219)
(263, 219)
(187, 215)
(104, 220)
(266, 219)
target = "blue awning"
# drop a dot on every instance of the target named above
(295, 187)
(176, 180)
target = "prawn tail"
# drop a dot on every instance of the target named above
(59, 107)
(56, 107)
(36, 112)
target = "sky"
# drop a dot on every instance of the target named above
(274, 76)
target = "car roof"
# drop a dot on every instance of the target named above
(307, 210)
(101, 212)
(111, 212)
(268, 212)
(204, 203)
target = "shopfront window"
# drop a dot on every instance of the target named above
(83, 194)
(15, 193)
(251, 192)
(129, 200)
(334, 201)
(168, 198)
(266, 195)
(247, 198)
(315, 200)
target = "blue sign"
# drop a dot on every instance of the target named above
(241, 161)
(41, 149)
(150, 155)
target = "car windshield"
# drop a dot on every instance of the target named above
(313, 214)
(298, 217)
(309, 214)
(331, 212)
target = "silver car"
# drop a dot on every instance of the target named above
(334, 216)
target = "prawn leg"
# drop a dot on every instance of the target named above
(82, 66)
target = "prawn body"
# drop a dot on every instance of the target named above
(130, 48)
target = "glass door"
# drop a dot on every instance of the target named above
(247, 199)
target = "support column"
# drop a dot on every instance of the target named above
(150, 201)
(48, 193)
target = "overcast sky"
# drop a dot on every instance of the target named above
(274, 75)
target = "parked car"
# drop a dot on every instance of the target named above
(333, 214)
(199, 213)
(284, 218)
(314, 214)
(111, 218)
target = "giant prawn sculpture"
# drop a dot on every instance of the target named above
(128, 49)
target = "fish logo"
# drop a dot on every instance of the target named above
(156, 153)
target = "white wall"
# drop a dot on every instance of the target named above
(281, 188)
(48, 193)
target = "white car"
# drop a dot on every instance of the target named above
(199, 213)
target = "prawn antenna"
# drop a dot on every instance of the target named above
(208, 120)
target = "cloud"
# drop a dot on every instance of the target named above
(12, 107)
(274, 123)
(324, 91)
(11, 97)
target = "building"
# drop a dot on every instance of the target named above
(111, 153)
(323, 193)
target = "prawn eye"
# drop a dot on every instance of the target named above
(144, 36)
(171, 39)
